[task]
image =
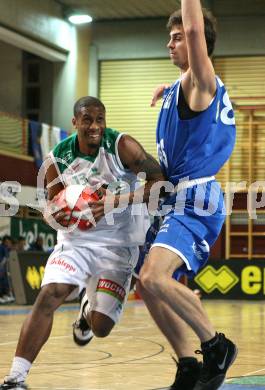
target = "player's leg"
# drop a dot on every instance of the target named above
(35, 332)
(64, 271)
(171, 325)
(107, 290)
(156, 277)
(90, 322)
(107, 303)
(37, 326)
(175, 330)
(82, 332)
(102, 308)
(163, 315)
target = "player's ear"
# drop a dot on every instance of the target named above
(74, 121)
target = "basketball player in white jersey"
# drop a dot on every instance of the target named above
(102, 258)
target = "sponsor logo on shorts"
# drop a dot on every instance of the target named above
(112, 288)
(63, 264)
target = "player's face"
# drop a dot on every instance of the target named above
(178, 47)
(90, 124)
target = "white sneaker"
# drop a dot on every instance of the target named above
(8, 298)
(13, 383)
(82, 334)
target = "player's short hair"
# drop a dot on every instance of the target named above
(87, 101)
(209, 27)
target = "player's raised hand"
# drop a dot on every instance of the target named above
(158, 93)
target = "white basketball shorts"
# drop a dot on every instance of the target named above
(105, 272)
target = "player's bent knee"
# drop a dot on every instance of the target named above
(141, 291)
(148, 282)
(51, 296)
(101, 331)
(101, 324)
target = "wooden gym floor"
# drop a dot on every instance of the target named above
(135, 356)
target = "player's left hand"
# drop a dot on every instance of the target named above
(158, 93)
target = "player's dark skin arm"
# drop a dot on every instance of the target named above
(134, 157)
(54, 186)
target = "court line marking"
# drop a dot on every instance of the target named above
(92, 365)
(12, 310)
(75, 307)
(68, 388)
(245, 375)
(70, 335)
(50, 338)
(15, 311)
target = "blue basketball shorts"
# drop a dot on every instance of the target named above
(189, 228)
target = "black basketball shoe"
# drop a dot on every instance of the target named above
(13, 384)
(82, 334)
(218, 356)
(187, 375)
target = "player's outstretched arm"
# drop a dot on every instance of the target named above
(202, 71)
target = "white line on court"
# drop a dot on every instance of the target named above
(51, 338)
(70, 335)
(247, 374)
(67, 388)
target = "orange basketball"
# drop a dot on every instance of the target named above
(73, 200)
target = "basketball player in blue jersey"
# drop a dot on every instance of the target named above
(195, 137)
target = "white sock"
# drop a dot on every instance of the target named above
(19, 369)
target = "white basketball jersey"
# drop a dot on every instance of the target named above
(124, 226)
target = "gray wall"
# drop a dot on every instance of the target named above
(42, 22)
(38, 19)
(241, 36)
(237, 35)
(10, 79)
(148, 38)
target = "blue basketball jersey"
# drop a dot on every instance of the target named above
(198, 147)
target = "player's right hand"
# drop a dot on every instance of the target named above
(54, 217)
(158, 93)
